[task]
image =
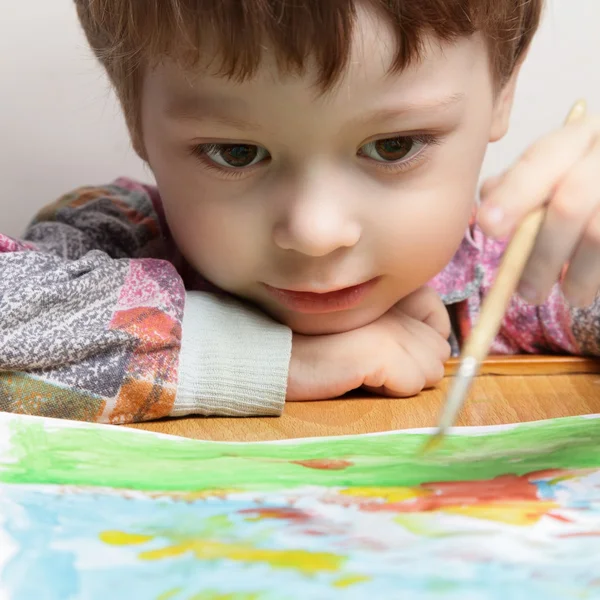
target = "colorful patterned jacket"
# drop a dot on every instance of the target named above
(101, 318)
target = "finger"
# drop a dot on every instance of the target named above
(386, 391)
(413, 362)
(582, 281)
(490, 184)
(425, 305)
(400, 377)
(439, 321)
(574, 203)
(531, 181)
(427, 337)
(429, 350)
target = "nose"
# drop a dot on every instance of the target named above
(317, 219)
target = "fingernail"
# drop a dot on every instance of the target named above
(527, 292)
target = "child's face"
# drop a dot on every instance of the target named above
(268, 185)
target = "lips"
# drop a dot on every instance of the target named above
(319, 303)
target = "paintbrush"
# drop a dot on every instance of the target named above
(493, 310)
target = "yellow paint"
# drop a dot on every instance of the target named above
(513, 513)
(170, 594)
(216, 525)
(167, 551)
(233, 596)
(300, 560)
(204, 494)
(120, 538)
(349, 580)
(564, 477)
(389, 494)
(418, 524)
(264, 515)
(432, 443)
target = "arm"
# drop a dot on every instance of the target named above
(552, 327)
(91, 323)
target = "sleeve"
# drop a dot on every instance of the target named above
(95, 325)
(553, 327)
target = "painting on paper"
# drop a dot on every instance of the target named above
(101, 512)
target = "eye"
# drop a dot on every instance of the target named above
(394, 149)
(233, 156)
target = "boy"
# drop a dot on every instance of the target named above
(316, 167)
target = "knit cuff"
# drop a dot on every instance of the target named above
(234, 359)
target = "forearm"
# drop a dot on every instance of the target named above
(554, 326)
(91, 329)
(94, 338)
(234, 359)
(101, 339)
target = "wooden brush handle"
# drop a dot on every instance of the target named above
(511, 268)
(496, 302)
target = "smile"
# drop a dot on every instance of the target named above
(322, 302)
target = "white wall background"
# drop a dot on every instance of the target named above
(60, 126)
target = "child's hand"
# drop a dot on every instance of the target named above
(398, 355)
(562, 170)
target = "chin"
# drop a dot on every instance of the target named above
(330, 323)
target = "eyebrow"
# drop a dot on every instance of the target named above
(210, 108)
(427, 106)
(219, 108)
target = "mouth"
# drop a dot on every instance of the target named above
(309, 302)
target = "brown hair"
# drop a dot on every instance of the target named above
(130, 35)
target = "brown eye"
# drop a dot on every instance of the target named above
(391, 149)
(238, 156)
(394, 148)
(235, 156)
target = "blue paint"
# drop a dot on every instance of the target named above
(61, 556)
(545, 490)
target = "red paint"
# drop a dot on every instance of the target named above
(313, 532)
(324, 463)
(309, 302)
(580, 534)
(547, 474)
(505, 488)
(288, 514)
(560, 518)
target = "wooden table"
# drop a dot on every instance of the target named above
(508, 391)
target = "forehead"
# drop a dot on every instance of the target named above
(443, 70)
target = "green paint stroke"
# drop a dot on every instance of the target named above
(170, 595)
(43, 453)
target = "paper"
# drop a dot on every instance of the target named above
(102, 512)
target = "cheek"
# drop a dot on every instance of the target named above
(217, 232)
(426, 238)
(216, 238)
(425, 225)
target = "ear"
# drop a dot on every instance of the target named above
(503, 104)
